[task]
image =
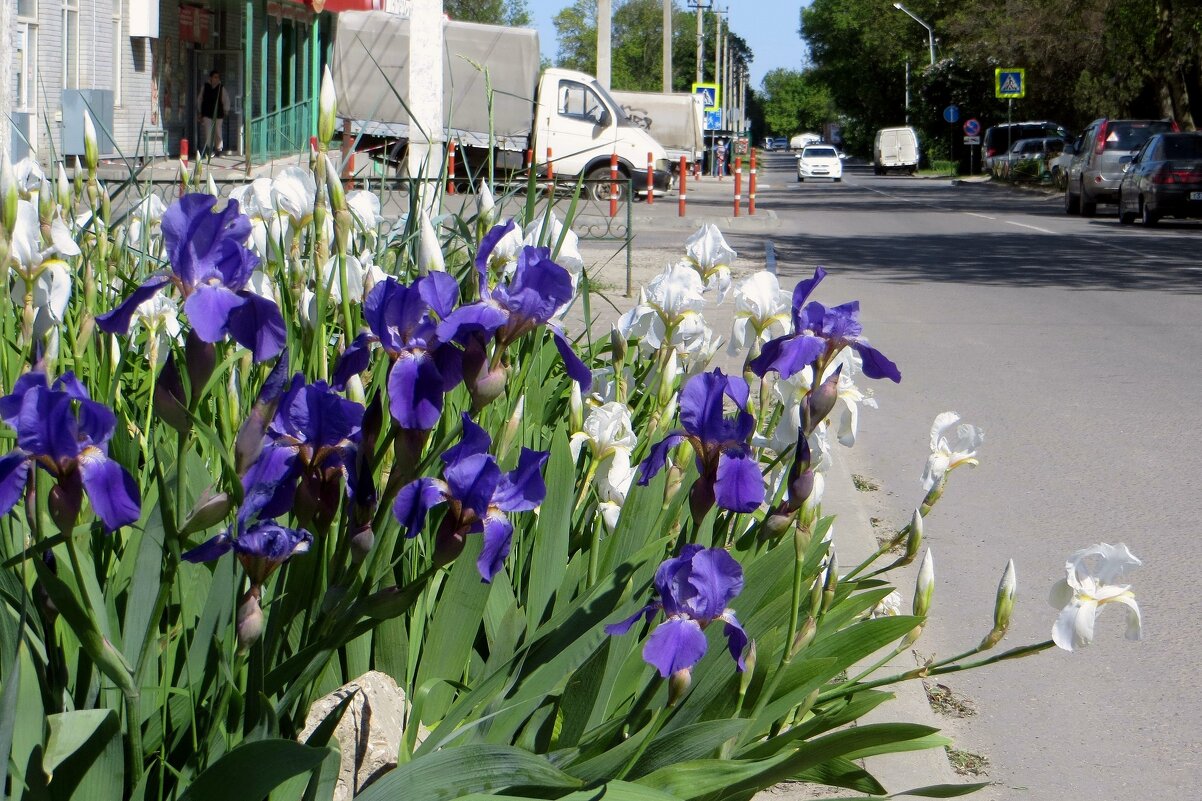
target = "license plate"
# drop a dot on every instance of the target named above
(1195, 195)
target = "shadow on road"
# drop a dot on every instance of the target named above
(1097, 255)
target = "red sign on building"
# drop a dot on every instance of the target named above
(195, 25)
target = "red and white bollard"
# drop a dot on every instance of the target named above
(183, 164)
(650, 178)
(684, 179)
(550, 175)
(613, 185)
(751, 186)
(738, 183)
(451, 168)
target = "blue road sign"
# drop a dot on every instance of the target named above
(709, 94)
(1009, 83)
(713, 120)
(952, 114)
(972, 128)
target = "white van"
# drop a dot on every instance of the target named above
(895, 149)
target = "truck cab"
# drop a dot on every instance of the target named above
(581, 125)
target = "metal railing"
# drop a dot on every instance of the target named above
(281, 132)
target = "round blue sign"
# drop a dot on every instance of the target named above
(951, 113)
(972, 128)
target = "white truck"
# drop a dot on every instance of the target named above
(568, 113)
(675, 120)
(895, 149)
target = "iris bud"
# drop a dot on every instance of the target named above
(8, 194)
(91, 145)
(822, 399)
(361, 543)
(45, 203)
(1002, 608)
(486, 209)
(667, 379)
(913, 538)
(831, 584)
(327, 108)
(210, 510)
(701, 499)
(449, 541)
(169, 403)
(617, 346)
(429, 252)
(65, 499)
(575, 409)
(678, 685)
(63, 189)
(804, 637)
(924, 588)
(509, 434)
(250, 622)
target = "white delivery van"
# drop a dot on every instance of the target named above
(567, 112)
(895, 149)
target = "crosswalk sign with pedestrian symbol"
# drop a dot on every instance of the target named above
(1009, 84)
(710, 95)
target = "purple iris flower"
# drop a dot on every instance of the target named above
(729, 472)
(818, 335)
(404, 320)
(210, 265)
(478, 495)
(261, 547)
(538, 290)
(308, 447)
(66, 433)
(694, 590)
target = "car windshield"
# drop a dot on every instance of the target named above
(1183, 147)
(819, 153)
(1132, 135)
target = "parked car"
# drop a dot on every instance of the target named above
(799, 141)
(819, 161)
(1163, 180)
(1000, 138)
(1058, 166)
(780, 143)
(769, 143)
(1028, 159)
(1097, 168)
(895, 149)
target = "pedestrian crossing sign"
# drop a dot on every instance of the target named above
(1009, 84)
(710, 95)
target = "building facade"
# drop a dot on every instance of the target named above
(138, 66)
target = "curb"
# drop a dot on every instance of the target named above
(764, 220)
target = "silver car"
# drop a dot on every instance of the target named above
(1096, 171)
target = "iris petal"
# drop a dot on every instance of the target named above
(675, 644)
(112, 491)
(498, 536)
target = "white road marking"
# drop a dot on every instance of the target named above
(982, 216)
(1032, 227)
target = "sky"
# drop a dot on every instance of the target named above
(768, 26)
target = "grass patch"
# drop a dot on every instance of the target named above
(864, 483)
(967, 763)
(947, 702)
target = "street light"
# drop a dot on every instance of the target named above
(930, 30)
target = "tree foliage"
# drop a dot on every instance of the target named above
(1083, 60)
(637, 54)
(794, 101)
(492, 12)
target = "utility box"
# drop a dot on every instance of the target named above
(99, 102)
(22, 135)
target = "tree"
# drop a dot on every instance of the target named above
(493, 12)
(638, 38)
(793, 102)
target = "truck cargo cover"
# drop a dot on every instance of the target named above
(371, 77)
(675, 120)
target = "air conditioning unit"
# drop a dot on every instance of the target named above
(98, 102)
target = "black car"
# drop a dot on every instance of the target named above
(1163, 180)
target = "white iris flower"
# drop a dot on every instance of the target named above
(708, 253)
(948, 454)
(1092, 581)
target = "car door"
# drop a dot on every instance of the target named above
(580, 120)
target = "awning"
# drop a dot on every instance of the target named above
(337, 6)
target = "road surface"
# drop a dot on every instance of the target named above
(1076, 345)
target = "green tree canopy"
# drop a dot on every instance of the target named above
(793, 102)
(492, 12)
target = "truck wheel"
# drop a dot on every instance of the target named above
(600, 186)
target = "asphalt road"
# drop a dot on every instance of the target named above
(1075, 344)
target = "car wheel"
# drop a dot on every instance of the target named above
(1072, 203)
(600, 187)
(1089, 208)
(1146, 215)
(837, 180)
(800, 180)
(1125, 217)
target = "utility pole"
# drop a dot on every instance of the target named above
(719, 54)
(667, 46)
(425, 99)
(604, 42)
(700, 8)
